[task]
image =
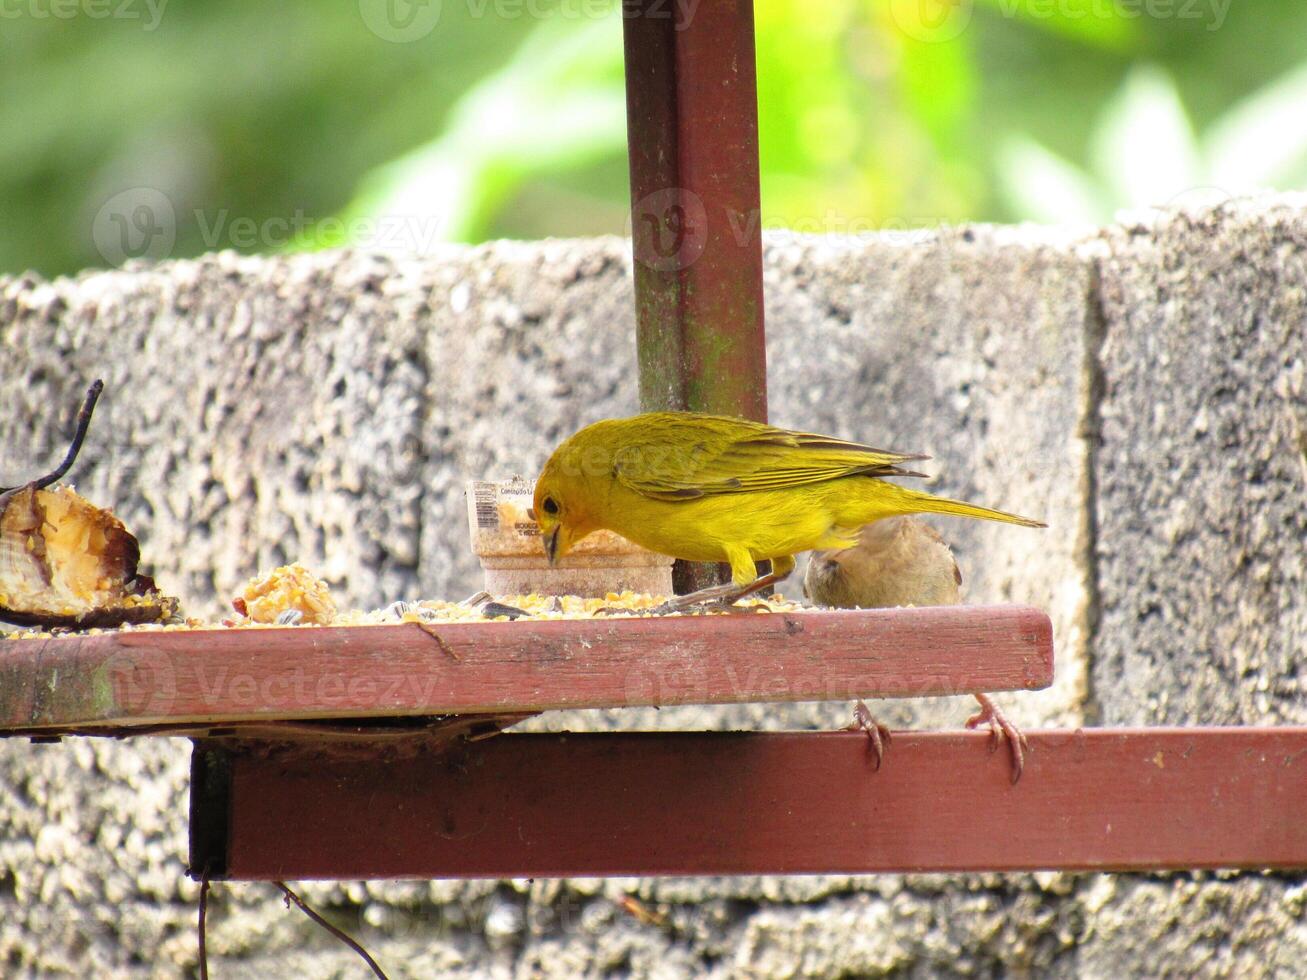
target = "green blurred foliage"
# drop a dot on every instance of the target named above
(506, 117)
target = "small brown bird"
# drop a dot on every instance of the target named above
(900, 561)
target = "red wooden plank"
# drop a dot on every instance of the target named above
(731, 803)
(147, 678)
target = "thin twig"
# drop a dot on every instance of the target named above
(292, 897)
(83, 423)
(204, 907)
(440, 641)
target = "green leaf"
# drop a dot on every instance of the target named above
(1099, 23)
(557, 104)
(938, 84)
(1038, 185)
(1262, 141)
(1144, 147)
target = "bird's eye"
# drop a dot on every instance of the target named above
(550, 506)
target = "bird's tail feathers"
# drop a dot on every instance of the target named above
(925, 503)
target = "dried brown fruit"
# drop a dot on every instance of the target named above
(66, 563)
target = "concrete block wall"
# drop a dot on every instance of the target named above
(1142, 387)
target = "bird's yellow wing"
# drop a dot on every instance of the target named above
(680, 456)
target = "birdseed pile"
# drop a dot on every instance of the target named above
(293, 596)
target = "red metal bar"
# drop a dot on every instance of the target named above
(692, 118)
(217, 676)
(731, 803)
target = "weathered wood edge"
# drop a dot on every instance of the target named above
(145, 679)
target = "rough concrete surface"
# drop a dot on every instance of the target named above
(1141, 388)
(1202, 502)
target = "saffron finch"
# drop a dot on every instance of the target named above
(711, 488)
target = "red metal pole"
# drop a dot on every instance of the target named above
(692, 122)
(692, 118)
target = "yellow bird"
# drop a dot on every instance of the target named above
(711, 488)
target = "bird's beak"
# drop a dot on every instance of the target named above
(551, 545)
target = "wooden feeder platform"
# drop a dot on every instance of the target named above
(374, 751)
(195, 681)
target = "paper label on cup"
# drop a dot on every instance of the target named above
(485, 513)
(497, 508)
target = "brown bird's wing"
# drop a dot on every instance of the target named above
(680, 457)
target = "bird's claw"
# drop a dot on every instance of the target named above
(718, 598)
(878, 736)
(702, 605)
(1000, 728)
